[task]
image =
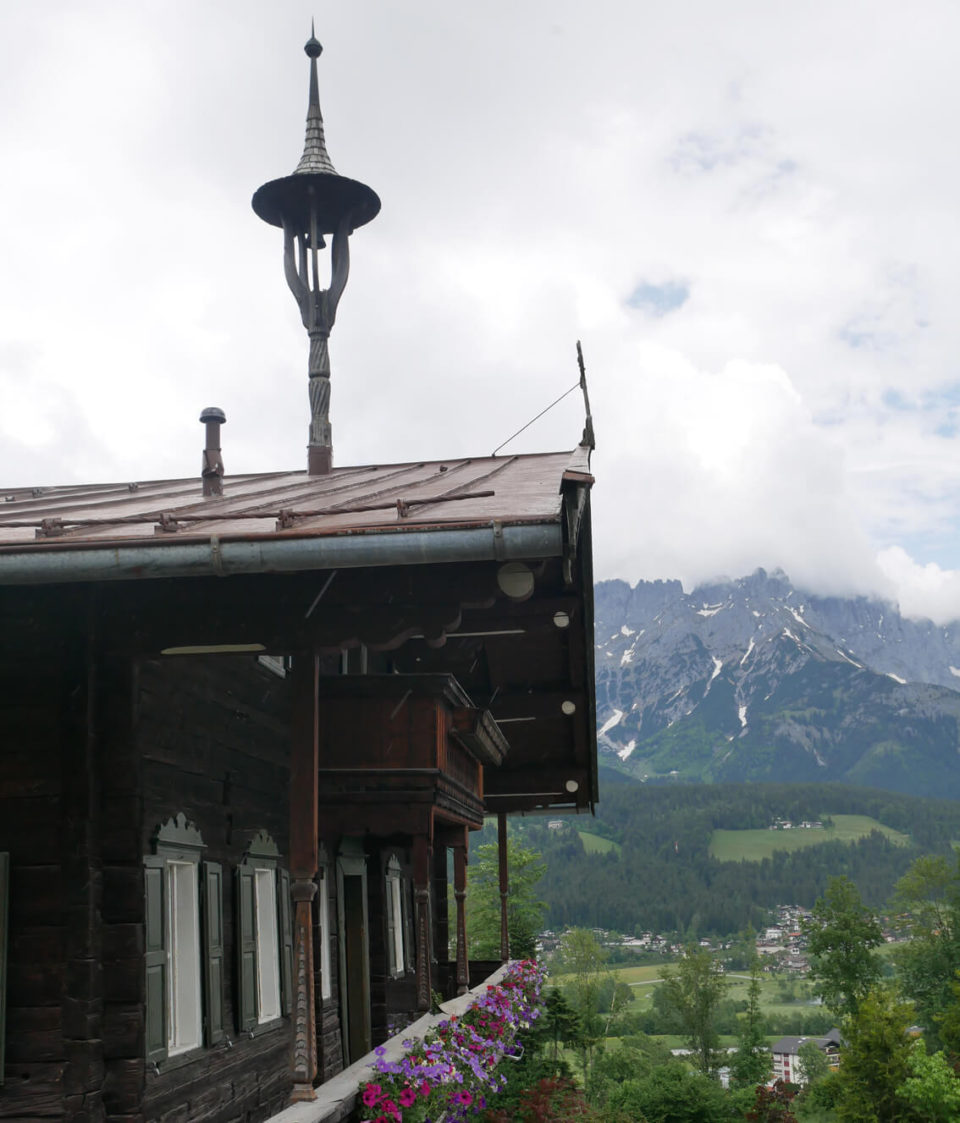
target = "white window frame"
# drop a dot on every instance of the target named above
(183, 944)
(323, 923)
(184, 978)
(264, 937)
(393, 902)
(268, 942)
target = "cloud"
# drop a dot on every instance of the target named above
(922, 590)
(705, 474)
(750, 227)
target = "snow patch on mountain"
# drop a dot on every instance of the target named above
(615, 719)
(627, 749)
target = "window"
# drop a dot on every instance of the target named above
(323, 929)
(264, 936)
(395, 918)
(268, 950)
(184, 943)
(184, 1030)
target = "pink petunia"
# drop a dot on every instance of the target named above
(407, 1097)
(371, 1094)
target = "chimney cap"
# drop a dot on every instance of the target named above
(213, 413)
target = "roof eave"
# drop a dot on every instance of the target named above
(218, 557)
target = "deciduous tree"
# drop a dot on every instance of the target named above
(932, 1088)
(927, 964)
(694, 988)
(524, 910)
(842, 937)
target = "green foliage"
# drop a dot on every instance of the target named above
(583, 960)
(671, 1094)
(932, 1088)
(751, 1063)
(637, 1057)
(842, 936)
(665, 879)
(927, 965)
(875, 1061)
(693, 988)
(814, 1065)
(524, 909)
(559, 1024)
(816, 1102)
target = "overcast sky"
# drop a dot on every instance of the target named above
(748, 213)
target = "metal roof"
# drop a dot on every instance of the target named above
(459, 492)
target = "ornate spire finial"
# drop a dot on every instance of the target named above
(310, 203)
(312, 47)
(315, 157)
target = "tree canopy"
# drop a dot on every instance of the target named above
(842, 938)
(525, 910)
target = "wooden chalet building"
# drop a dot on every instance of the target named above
(244, 722)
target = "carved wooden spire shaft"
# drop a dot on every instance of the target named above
(313, 202)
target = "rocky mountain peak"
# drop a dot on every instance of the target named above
(743, 675)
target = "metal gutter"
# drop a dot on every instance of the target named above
(216, 557)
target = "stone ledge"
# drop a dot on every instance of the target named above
(337, 1098)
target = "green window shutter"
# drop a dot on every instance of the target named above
(4, 914)
(155, 960)
(212, 898)
(285, 930)
(246, 950)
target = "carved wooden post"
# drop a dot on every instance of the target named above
(421, 892)
(304, 763)
(460, 893)
(504, 885)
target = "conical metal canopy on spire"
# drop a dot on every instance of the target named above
(315, 185)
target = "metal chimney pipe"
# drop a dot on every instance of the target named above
(211, 470)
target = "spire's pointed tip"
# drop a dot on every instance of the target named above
(312, 45)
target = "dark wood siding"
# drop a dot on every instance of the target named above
(214, 737)
(40, 684)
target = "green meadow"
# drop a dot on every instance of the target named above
(754, 845)
(594, 844)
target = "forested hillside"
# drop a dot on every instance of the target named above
(662, 878)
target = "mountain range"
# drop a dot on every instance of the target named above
(756, 680)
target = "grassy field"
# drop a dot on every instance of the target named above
(777, 997)
(594, 844)
(754, 845)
